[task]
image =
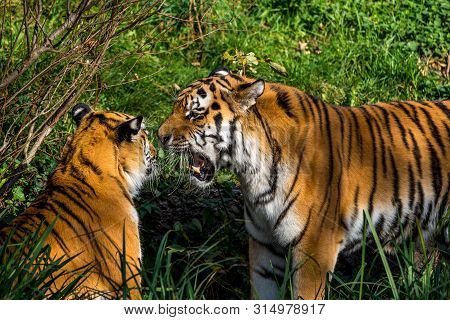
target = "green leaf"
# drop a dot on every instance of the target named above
(197, 224)
(18, 194)
(278, 68)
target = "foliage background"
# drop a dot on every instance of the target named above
(345, 52)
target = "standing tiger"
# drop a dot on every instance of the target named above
(89, 196)
(309, 170)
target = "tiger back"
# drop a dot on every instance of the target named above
(89, 199)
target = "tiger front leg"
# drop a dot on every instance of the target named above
(313, 257)
(267, 265)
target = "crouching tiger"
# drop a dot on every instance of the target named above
(309, 170)
(89, 198)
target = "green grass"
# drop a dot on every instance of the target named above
(356, 52)
(28, 271)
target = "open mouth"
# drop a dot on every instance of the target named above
(201, 167)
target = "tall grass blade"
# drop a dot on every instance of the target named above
(383, 257)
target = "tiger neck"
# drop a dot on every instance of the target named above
(265, 150)
(256, 155)
(102, 177)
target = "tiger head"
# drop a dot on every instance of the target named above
(112, 143)
(204, 119)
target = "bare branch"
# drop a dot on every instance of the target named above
(46, 46)
(48, 64)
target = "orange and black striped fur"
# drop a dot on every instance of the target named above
(308, 170)
(90, 196)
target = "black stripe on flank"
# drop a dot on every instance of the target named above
(374, 160)
(309, 107)
(382, 145)
(270, 247)
(412, 186)
(401, 128)
(57, 236)
(341, 123)
(299, 238)
(63, 192)
(80, 198)
(297, 171)
(115, 245)
(447, 128)
(358, 133)
(396, 189)
(442, 107)
(436, 171)
(267, 274)
(355, 206)
(316, 106)
(427, 216)
(249, 214)
(60, 215)
(75, 173)
(74, 216)
(386, 121)
(330, 166)
(302, 100)
(444, 201)
(414, 118)
(352, 246)
(284, 101)
(41, 220)
(434, 130)
(285, 211)
(416, 153)
(349, 138)
(420, 206)
(395, 180)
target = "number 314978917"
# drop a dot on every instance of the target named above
(288, 308)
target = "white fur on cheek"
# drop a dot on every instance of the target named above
(135, 181)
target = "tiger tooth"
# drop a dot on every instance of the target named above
(195, 169)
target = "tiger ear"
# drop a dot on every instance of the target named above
(79, 111)
(127, 130)
(247, 93)
(220, 71)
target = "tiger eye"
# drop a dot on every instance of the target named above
(202, 93)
